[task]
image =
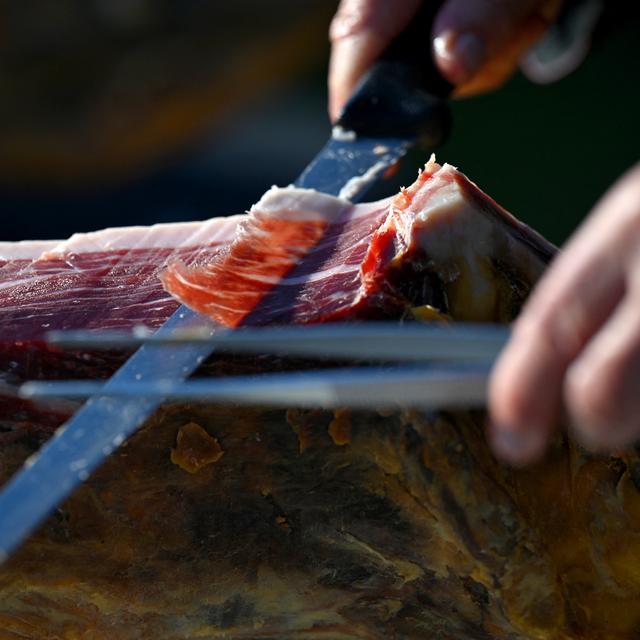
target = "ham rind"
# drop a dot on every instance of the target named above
(306, 257)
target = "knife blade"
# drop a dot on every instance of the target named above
(434, 386)
(364, 341)
(390, 111)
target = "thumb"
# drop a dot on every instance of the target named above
(360, 31)
(468, 34)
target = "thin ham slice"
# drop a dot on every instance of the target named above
(294, 241)
(301, 256)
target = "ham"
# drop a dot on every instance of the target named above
(298, 256)
(101, 280)
(230, 522)
(104, 280)
(303, 257)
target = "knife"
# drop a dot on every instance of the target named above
(399, 103)
(443, 366)
(426, 386)
(364, 341)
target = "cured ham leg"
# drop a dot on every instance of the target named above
(228, 522)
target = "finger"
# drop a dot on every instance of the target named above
(602, 385)
(467, 34)
(498, 68)
(525, 390)
(360, 31)
(572, 301)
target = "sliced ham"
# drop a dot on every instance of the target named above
(301, 256)
(294, 244)
(298, 256)
(105, 279)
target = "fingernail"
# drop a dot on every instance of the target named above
(517, 447)
(460, 55)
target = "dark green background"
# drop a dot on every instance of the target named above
(546, 153)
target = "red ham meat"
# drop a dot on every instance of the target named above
(102, 280)
(441, 248)
(301, 256)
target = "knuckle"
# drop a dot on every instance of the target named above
(570, 330)
(509, 399)
(562, 329)
(558, 332)
(590, 401)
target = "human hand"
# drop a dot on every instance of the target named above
(576, 344)
(476, 43)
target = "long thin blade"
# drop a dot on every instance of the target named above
(360, 341)
(348, 168)
(102, 424)
(97, 428)
(416, 387)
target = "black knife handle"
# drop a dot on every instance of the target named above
(403, 93)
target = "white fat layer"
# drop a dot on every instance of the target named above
(158, 236)
(355, 184)
(25, 249)
(289, 203)
(292, 203)
(448, 227)
(456, 236)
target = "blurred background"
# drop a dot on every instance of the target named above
(121, 112)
